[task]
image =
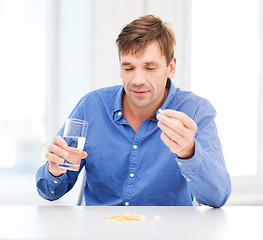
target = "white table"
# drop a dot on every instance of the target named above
(66, 222)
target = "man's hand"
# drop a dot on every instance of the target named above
(57, 152)
(178, 131)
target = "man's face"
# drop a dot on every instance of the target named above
(145, 74)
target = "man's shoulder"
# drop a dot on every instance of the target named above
(110, 89)
(103, 98)
(189, 96)
(190, 102)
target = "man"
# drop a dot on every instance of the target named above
(136, 156)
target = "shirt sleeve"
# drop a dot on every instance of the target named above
(206, 172)
(52, 188)
(48, 186)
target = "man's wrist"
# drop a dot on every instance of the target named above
(55, 174)
(187, 154)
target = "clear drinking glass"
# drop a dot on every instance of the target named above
(75, 135)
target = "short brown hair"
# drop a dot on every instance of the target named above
(135, 36)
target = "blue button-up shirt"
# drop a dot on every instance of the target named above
(125, 167)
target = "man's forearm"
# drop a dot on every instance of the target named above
(208, 180)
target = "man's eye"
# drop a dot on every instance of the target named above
(150, 69)
(128, 69)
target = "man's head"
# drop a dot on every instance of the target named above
(135, 36)
(146, 52)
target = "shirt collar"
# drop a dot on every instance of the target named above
(171, 94)
(117, 107)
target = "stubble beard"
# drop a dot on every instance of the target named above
(144, 103)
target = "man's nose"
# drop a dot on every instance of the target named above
(139, 78)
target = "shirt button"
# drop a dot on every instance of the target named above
(127, 204)
(188, 179)
(55, 181)
(179, 163)
(135, 146)
(119, 113)
(132, 175)
(52, 192)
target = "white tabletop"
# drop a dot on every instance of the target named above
(65, 222)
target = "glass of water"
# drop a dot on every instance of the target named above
(75, 135)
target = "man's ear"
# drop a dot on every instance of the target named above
(171, 66)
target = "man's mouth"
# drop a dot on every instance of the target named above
(140, 92)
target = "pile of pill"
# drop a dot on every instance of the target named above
(125, 217)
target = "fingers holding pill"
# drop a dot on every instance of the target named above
(178, 131)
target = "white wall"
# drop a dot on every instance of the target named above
(69, 58)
